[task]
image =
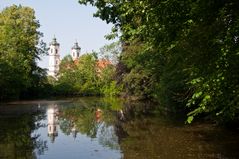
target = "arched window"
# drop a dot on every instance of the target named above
(56, 51)
(73, 54)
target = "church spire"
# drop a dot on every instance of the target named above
(76, 46)
(54, 42)
(75, 51)
(54, 58)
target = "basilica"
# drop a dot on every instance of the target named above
(54, 56)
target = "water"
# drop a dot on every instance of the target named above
(98, 128)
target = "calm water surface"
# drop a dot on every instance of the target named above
(99, 128)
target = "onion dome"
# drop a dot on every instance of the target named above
(76, 46)
(54, 42)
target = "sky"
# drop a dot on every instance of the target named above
(68, 21)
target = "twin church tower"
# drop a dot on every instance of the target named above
(54, 56)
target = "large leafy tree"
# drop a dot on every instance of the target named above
(20, 47)
(186, 51)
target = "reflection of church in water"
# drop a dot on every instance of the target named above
(52, 118)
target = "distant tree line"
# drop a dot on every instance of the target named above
(87, 76)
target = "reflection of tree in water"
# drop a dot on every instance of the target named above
(16, 140)
(65, 126)
(85, 118)
(108, 137)
(77, 118)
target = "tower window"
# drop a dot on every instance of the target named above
(73, 54)
(56, 51)
(51, 50)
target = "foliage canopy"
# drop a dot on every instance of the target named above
(20, 48)
(186, 52)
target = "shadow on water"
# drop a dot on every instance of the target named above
(162, 134)
(107, 128)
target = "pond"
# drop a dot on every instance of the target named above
(106, 128)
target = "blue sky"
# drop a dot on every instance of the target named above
(68, 21)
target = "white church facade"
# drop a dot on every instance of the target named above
(54, 56)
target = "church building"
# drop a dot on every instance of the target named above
(54, 56)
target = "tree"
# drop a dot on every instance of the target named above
(20, 47)
(78, 77)
(188, 50)
(111, 52)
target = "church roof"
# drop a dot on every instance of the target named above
(103, 63)
(76, 46)
(54, 42)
